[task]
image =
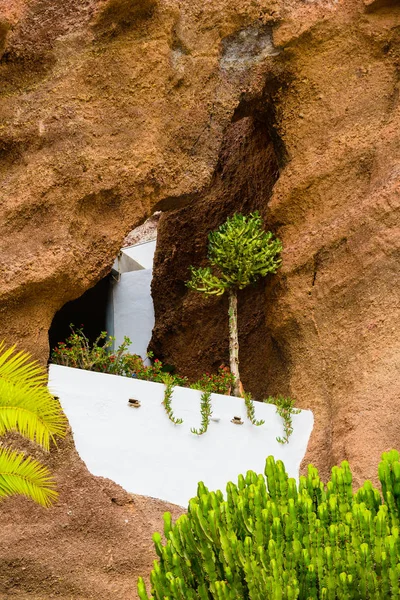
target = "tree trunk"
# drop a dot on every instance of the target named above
(234, 340)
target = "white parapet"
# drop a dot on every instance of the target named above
(144, 452)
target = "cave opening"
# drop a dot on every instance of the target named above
(121, 302)
(89, 312)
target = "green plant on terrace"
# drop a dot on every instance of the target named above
(217, 383)
(27, 407)
(285, 409)
(273, 540)
(78, 352)
(239, 252)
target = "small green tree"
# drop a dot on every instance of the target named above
(240, 252)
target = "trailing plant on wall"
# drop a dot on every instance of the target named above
(27, 407)
(250, 410)
(206, 413)
(285, 409)
(271, 539)
(167, 402)
(78, 352)
(239, 252)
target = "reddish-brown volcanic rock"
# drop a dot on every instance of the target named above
(325, 329)
(109, 109)
(92, 545)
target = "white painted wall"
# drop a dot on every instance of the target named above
(134, 258)
(143, 254)
(131, 311)
(145, 453)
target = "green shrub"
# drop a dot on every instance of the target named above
(217, 383)
(99, 356)
(284, 542)
(78, 352)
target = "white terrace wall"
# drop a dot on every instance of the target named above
(133, 258)
(130, 310)
(144, 452)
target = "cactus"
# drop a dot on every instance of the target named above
(273, 539)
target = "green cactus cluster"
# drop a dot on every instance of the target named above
(273, 540)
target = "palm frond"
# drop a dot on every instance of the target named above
(21, 475)
(18, 367)
(26, 405)
(32, 412)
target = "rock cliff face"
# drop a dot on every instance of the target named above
(317, 151)
(112, 109)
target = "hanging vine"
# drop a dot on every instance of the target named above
(167, 402)
(285, 409)
(251, 414)
(206, 413)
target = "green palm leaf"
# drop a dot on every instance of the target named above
(21, 475)
(18, 367)
(26, 405)
(36, 416)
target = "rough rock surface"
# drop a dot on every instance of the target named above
(146, 232)
(93, 544)
(112, 109)
(325, 329)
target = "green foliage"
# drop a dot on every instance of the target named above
(27, 407)
(157, 372)
(250, 410)
(24, 476)
(241, 252)
(206, 413)
(167, 402)
(218, 383)
(285, 409)
(78, 352)
(272, 540)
